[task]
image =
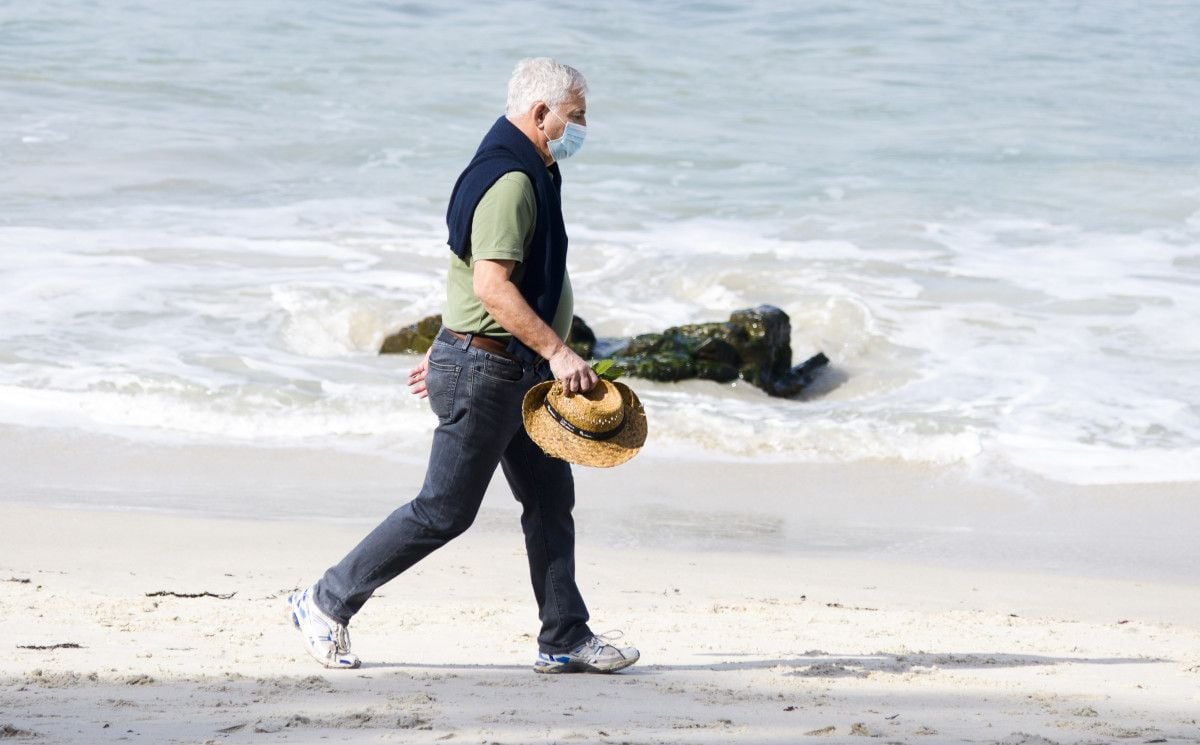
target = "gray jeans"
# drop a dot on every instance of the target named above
(477, 398)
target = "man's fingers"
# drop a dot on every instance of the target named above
(416, 379)
(417, 374)
(573, 373)
(577, 383)
(580, 380)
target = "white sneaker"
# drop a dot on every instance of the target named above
(326, 639)
(596, 655)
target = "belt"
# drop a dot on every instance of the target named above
(486, 343)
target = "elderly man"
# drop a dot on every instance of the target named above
(507, 315)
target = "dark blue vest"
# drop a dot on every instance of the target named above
(504, 149)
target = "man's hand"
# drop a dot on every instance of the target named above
(576, 374)
(416, 377)
(493, 286)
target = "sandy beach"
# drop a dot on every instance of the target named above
(737, 646)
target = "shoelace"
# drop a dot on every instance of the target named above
(339, 633)
(599, 641)
(610, 636)
(341, 638)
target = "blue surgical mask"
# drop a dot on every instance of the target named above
(570, 142)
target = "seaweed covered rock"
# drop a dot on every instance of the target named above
(581, 339)
(753, 345)
(414, 339)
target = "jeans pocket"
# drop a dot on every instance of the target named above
(441, 380)
(498, 369)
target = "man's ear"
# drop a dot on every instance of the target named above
(540, 112)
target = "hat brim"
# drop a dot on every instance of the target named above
(559, 443)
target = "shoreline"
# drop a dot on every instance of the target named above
(878, 510)
(736, 646)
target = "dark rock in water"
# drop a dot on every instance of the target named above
(414, 339)
(767, 350)
(797, 378)
(753, 345)
(581, 339)
(663, 366)
(717, 351)
(721, 372)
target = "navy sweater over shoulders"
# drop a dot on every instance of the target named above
(505, 149)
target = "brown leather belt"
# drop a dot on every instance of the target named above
(486, 343)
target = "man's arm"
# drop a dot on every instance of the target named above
(493, 285)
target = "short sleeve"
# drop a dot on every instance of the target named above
(502, 227)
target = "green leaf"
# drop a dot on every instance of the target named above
(608, 369)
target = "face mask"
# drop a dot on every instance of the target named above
(570, 142)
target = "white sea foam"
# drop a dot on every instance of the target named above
(942, 356)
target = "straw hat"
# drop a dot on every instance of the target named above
(604, 427)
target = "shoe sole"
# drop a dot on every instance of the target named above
(583, 667)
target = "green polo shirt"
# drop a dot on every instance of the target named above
(501, 229)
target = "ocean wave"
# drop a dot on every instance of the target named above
(963, 345)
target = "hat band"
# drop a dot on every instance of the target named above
(585, 434)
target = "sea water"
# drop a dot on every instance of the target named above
(987, 215)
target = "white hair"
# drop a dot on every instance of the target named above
(542, 79)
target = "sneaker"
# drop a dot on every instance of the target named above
(595, 655)
(326, 639)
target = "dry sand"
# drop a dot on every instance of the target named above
(737, 647)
